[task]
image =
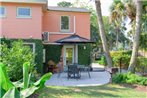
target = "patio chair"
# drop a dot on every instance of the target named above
(88, 71)
(73, 72)
(60, 68)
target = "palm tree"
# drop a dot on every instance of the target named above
(136, 36)
(130, 9)
(117, 18)
(102, 33)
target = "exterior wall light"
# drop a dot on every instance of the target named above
(84, 47)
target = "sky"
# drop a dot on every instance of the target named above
(105, 4)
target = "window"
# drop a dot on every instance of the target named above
(23, 12)
(64, 23)
(31, 46)
(44, 55)
(2, 11)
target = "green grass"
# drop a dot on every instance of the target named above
(105, 91)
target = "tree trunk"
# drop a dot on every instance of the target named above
(117, 40)
(102, 33)
(133, 60)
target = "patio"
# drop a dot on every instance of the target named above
(97, 78)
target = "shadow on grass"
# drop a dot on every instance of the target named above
(81, 92)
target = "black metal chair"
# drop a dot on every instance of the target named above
(73, 72)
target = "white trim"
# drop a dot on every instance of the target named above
(64, 55)
(24, 16)
(3, 16)
(76, 56)
(54, 33)
(64, 30)
(44, 55)
(51, 43)
(27, 43)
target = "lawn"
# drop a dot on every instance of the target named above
(105, 91)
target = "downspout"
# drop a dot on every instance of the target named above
(75, 46)
(74, 24)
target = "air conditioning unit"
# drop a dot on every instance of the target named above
(45, 36)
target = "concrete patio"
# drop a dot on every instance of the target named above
(97, 78)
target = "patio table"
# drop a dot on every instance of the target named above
(84, 68)
(75, 70)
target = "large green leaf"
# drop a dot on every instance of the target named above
(26, 74)
(5, 83)
(40, 82)
(29, 91)
(37, 85)
(18, 84)
(2, 92)
(12, 93)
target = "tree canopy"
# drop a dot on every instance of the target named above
(64, 4)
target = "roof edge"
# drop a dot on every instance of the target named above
(68, 9)
(31, 2)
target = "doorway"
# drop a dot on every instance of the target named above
(68, 56)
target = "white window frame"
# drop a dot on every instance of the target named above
(44, 55)
(3, 16)
(64, 30)
(24, 16)
(33, 44)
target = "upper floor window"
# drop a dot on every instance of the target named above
(2, 11)
(64, 23)
(23, 12)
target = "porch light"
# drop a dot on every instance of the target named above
(84, 47)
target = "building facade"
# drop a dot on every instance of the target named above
(41, 27)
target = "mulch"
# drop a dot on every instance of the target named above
(136, 87)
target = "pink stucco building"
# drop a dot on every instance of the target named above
(32, 20)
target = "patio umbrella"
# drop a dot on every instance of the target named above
(74, 39)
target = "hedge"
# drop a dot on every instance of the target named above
(124, 56)
(53, 52)
(84, 54)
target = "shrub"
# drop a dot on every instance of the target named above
(129, 78)
(14, 57)
(102, 61)
(141, 65)
(124, 56)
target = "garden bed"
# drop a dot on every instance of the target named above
(136, 87)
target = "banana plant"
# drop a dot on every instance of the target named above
(20, 89)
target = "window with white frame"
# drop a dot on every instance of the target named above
(44, 52)
(24, 12)
(2, 11)
(64, 23)
(31, 46)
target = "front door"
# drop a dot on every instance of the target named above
(68, 56)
